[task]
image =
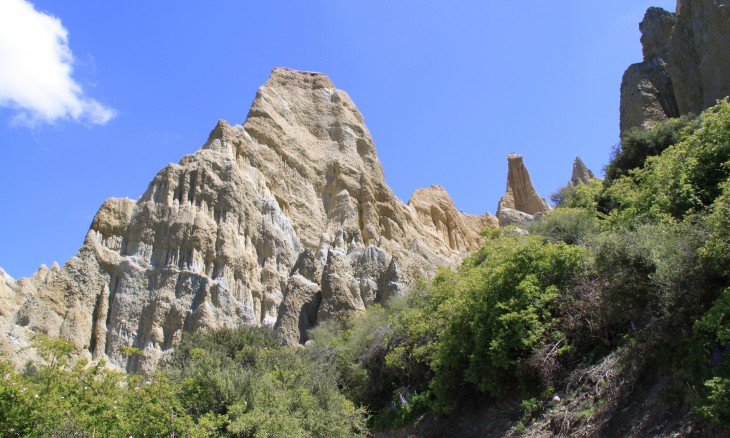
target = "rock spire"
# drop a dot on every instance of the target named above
(581, 173)
(521, 202)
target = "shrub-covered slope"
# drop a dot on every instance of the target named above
(610, 317)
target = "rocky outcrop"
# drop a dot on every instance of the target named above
(581, 174)
(685, 63)
(438, 214)
(698, 59)
(647, 94)
(520, 203)
(282, 221)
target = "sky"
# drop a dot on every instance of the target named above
(97, 97)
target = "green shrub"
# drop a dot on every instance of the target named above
(637, 144)
(261, 387)
(716, 251)
(405, 409)
(480, 324)
(715, 408)
(356, 348)
(574, 226)
(584, 196)
(685, 179)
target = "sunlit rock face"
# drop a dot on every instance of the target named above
(521, 202)
(283, 221)
(685, 63)
(437, 212)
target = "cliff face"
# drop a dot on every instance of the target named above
(281, 221)
(685, 63)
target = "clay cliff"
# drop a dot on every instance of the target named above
(685, 66)
(282, 221)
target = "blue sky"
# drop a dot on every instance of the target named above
(447, 89)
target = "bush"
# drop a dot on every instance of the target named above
(653, 274)
(261, 387)
(574, 226)
(480, 324)
(638, 144)
(685, 179)
(715, 408)
(356, 348)
(584, 196)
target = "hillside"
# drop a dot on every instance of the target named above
(271, 283)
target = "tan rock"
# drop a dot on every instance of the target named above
(298, 311)
(437, 212)
(520, 195)
(581, 174)
(242, 232)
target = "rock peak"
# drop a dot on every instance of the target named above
(581, 173)
(298, 78)
(520, 196)
(437, 212)
(656, 30)
(282, 221)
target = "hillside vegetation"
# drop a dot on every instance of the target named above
(624, 286)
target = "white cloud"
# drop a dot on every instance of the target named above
(35, 69)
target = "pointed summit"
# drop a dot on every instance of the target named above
(521, 202)
(283, 221)
(581, 174)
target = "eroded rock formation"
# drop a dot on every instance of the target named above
(438, 214)
(685, 63)
(581, 174)
(520, 203)
(281, 221)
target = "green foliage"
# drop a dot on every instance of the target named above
(637, 145)
(716, 407)
(583, 196)
(128, 351)
(227, 382)
(715, 323)
(294, 396)
(716, 251)
(261, 387)
(356, 348)
(479, 324)
(575, 226)
(58, 399)
(647, 272)
(401, 413)
(686, 178)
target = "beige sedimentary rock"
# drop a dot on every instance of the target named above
(437, 212)
(281, 221)
(520, 195)
(581, 174)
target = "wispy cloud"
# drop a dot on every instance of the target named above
(36, 64)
